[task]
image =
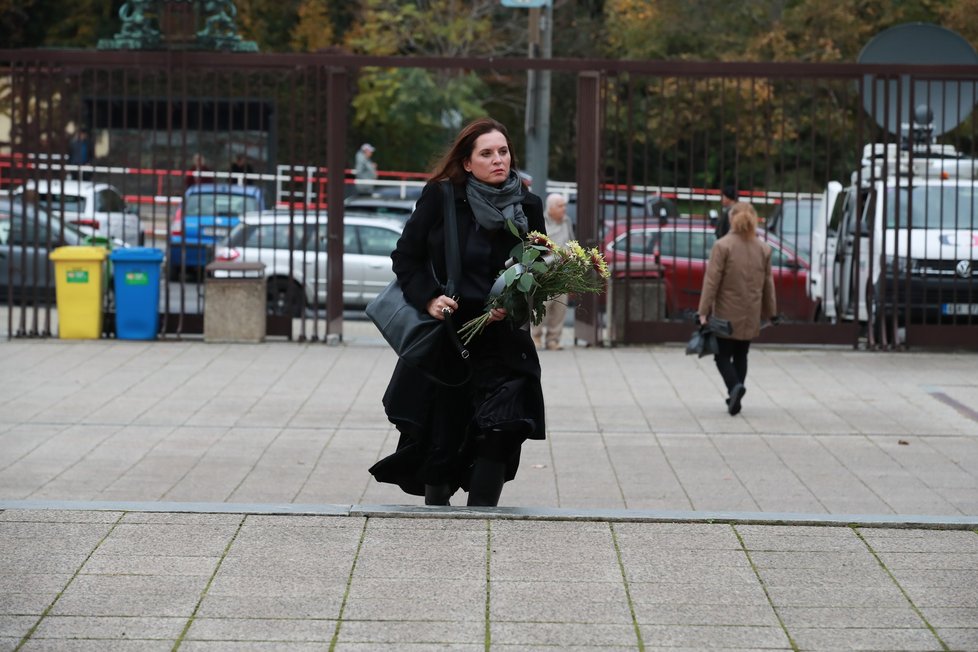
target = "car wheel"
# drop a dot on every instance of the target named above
(285, 297)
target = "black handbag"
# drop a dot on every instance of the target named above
(414, 334)
(721, 327)
(702, 342)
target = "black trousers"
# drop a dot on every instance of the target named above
(731, 360)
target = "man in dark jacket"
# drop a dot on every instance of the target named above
(80, 152)
(728, 197)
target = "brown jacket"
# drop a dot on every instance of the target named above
(738, 285)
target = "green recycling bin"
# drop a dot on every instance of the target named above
(137, 292)
(105, 243)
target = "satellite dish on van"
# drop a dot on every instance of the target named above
(949, 100)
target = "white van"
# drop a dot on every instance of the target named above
(911, 248)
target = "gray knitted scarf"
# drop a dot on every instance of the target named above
(493, 206)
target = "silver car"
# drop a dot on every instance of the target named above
(27, 236)
(395, 209)
(296, 275)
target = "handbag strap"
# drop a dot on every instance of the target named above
(453, 258)
(453, 263)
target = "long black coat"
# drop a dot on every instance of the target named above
(411, 396)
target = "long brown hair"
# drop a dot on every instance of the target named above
(450, 164)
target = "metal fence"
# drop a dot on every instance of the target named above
(873, 245)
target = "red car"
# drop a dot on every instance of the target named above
(680, 251)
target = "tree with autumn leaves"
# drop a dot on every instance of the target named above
(410, 112)
(761, 126)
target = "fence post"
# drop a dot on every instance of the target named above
(336, 128)
(587, 319)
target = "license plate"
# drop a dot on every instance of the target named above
(959, 309)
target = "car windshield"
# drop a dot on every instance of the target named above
(933, 207)
(71, 203)
(637, 242)
(379, 209)
(278, 235)
(34, 228)
(797, 217)
(669, 243)
(109, 201)
(686, 244)
(219, 204)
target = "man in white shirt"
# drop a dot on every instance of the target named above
(560, 230)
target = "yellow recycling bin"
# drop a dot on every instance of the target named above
(78, 284)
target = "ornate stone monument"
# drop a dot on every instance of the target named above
(178, 24)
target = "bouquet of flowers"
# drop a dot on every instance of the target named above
(538, 270)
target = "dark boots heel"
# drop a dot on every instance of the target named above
(437, 494)
(487, 481)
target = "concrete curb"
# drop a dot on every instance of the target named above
(915, 521)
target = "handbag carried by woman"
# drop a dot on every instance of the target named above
(413, 334)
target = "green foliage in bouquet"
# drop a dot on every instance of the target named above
(539, 270)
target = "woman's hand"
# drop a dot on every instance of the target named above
(497, 314)
(438, 305)
(703, 320)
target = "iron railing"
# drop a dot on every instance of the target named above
(649, 145)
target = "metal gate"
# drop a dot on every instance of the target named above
(654, 144)
(869, 210)
(157, 126)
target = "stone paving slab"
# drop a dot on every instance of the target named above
(627, 594)
(830, 431)
(215, 497)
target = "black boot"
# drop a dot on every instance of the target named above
(437, 494)
(733, 403)
(487, 481)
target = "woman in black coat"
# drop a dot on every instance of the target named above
(467, 436)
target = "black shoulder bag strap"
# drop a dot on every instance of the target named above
(453, 258)
(453, 264)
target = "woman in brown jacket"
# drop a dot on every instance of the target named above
(738, 286)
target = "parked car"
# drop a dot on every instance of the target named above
(27, 236)
(206, 215)
(398, 209)
(616, 208)
(793, 221)
(95, 209)
(297, 277)
(399, 192)
(679, 251)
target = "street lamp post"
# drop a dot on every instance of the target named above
(537, 121)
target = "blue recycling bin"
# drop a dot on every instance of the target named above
(137, 292)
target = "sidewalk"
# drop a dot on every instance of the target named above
(182, 495)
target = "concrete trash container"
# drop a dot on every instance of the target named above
(137, 292)
(78, 288)
(642, 299)
(234, 302)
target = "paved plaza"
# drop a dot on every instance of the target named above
(182, 495)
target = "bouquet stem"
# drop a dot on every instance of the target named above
(473, 327)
